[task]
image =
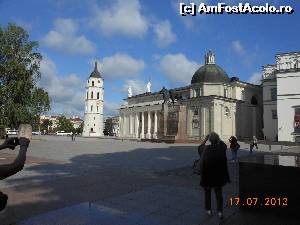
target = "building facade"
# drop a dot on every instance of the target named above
(212, 102)
(93, 116)
(112, 126)
(281, 91)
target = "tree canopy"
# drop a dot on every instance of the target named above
(21, 101)
(65, 124)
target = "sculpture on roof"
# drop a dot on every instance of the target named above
(129, 92)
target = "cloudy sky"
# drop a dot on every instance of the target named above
(138, 40)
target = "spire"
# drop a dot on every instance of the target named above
(96, 66)
(209, 58)
(96, 73)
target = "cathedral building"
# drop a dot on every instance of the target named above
(93, 116)
(212, 102)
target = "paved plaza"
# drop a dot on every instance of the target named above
(115, 182)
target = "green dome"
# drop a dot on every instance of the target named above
(211, 73)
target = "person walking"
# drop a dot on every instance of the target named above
(214, 171)
(234, 147)
(252, 144)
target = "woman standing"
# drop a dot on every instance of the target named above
(234, 146)
(214, 172)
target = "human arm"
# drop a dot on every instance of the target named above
(17, 165)
(202, 145)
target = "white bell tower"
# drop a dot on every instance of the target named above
(93, 115)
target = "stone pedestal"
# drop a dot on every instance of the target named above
(174, 122)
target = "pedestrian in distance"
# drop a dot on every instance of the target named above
(214, 171)
(234, 147)
(252, 144)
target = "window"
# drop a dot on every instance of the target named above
(225, 93)
(297, 121)
(87, 95)
(99, 81)
(91, 108)
(273, 94)
(93, 83)
(227, 112)
(274, 114)
(92, 95)
(97, 108)
(94, 118)
(196, 112)
(98, 95)
(254, 100)
(92, 130)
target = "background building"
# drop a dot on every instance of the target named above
(213, 102)
(93, 116)
(111, 126)
(281, 91)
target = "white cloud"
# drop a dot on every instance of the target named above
(255, 78)
(111, 108)
(64, 38)
(137, 86)
(238, 48)
(124, 17)
(177, 68)
(120, 65)
(66, 93)
(164, 34)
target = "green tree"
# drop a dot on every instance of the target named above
(40, 102)
(79, 130)
(64, 124)
(19, 72)
(46, 124)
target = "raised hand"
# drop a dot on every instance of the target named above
(11, 143)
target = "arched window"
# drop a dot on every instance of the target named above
(92, 95)
(98, 95)
(91, 108)
(87, 95)
(97, 108)
(93, 83)
(254, 100)
(92, 130)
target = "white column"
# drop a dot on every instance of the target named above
(155, 125)
(149, 126)
(143, 127)
(131, 124)
(203, 122)
(124, 126)
(120, 126)
(137, 121)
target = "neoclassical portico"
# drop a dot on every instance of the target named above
(140, 121)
